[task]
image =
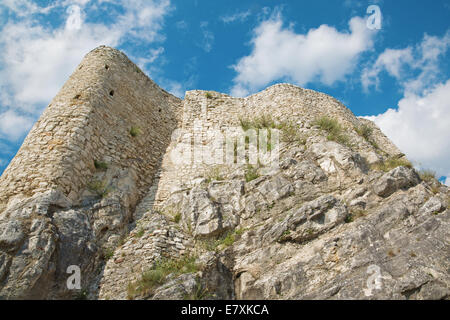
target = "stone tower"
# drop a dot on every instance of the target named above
(90, 121)
(105, 132)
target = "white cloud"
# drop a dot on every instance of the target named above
(24, 8)
(323, 54)
(208, 37)
(74, 21)
(153, 54)
(175, 87)
(391, 60)
(13, 125)
(403, 64)
(37, 59)
(238, 16)
(178, 88)
(420, 127)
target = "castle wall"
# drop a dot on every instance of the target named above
(90, 120)
(285, 102)
(91, 117)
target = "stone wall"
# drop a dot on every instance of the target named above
(50, 220)
(204, 111)
(90, 120)
(155, 237)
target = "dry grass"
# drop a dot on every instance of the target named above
(334, 130)
(262, 122)
(251, 173)
(290, 133)
(156, 276)
(366, 131)
(390, 164)
(427, 175)
(100, 188)
(215, 174)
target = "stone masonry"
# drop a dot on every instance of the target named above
(100, 183)
(90, 120)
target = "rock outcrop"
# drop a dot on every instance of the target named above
(152, 197)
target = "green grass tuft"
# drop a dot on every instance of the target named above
(100, 165)
(215, 173)
(333, 129)
(107, 254)
(390, 164)
(251, 173)
(262, 122)
(355, 214)
(100, 188)
(140, 233)
(290, 133)
(200, 292)
(366, 131)
(82, 295)
(427, 175)
(157, 275)
(225, 241)
(135, 131)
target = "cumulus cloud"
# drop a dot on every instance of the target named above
(323, 54)
(404, 64)
(37, 58)
(392, 61)
(12, 125)
(420, 127)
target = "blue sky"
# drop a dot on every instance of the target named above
(398, 75)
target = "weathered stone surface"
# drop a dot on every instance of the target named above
(309, 221)
(398, 178)
(200, 214)
(318, 222)
(11, 235)
(433, 206)
(394, 248)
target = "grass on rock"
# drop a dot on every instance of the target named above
(157, 275)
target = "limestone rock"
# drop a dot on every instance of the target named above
(309, 221)
(108, 181)
(398, 178)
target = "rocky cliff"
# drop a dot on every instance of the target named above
(284, 194)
